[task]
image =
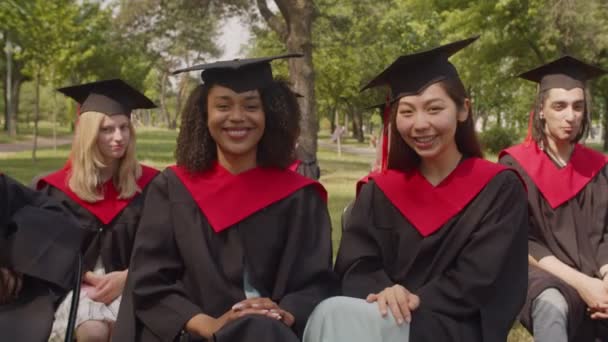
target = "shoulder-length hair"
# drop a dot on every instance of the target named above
(86, 162)
(197, 151)
(404, 158)
(538, 124)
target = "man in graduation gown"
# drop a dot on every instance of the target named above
(38, 259)
(213, 239)
(567, 193)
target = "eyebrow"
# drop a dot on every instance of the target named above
(426, 103)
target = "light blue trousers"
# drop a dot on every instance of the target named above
(354, 320)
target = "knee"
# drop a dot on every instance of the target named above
(93, 331)
(330, 306)
(550, 301)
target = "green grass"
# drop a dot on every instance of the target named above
(26, 132)
(156, 147)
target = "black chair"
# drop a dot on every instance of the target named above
(69, 334)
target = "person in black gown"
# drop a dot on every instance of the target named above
(435, 248)
(232, 246)
(37, 260)
(102, 186)
(568, 198)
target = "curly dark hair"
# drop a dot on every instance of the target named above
(404, 158)
(196, 150)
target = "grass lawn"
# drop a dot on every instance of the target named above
(156, 148)
(26, 132)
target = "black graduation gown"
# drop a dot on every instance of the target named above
(45, 254)
(470, 275)
(576, 234)
(181, 267)
(112, 242)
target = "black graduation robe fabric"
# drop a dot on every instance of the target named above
(181, 267)
(45, 254)
(108, 234)
(576, 233)
(470, 274)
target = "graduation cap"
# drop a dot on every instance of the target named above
(566, 72)
(239, 75)
(110, 97)
(410, 74)
(379, 106)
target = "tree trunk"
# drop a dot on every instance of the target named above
(295, 30)
(605, 125)
(55, 105)
(11, 107)
(36, 114)
(163, 98)
(360, 134)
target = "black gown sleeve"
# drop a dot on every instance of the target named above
(160, 301)
(41, 239)
(360, 257)
(306, 264)
(537, 247)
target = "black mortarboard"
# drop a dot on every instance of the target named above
(239, 75)
(566, 72)
(109, 97)
(379, 106)
(412, 73)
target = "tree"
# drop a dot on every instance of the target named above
(293, 27)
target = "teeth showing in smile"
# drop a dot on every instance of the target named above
(424, 140)
(237, 133)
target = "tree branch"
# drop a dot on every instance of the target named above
(274, 21)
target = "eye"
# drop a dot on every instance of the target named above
(222, 107)
(435, 109)
(406, 112)
(579, 107)
(559, 106)
(107, 129)
(252, 108)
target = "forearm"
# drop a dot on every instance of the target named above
(559, 269)
(201, 325)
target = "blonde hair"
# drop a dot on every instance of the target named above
(86, 162)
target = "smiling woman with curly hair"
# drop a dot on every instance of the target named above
(233, 246)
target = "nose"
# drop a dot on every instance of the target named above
(569, 114)
(118, 135)
(237, 114)
(421, 121)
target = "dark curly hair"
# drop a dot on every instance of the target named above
(404, 158)
(196, 150)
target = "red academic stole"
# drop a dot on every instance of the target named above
(557, 185)
(294, 165)
(429, 207)
(107, 208)
(226, 199)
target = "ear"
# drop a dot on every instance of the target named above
(463, 113)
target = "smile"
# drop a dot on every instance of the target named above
(424, 140)
(237, 132)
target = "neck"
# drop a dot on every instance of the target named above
(562, 150)
(437, 169)
(108, 172)
(236, 164)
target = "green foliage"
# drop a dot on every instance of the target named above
(498, 138)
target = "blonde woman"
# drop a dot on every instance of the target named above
(101, 185)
